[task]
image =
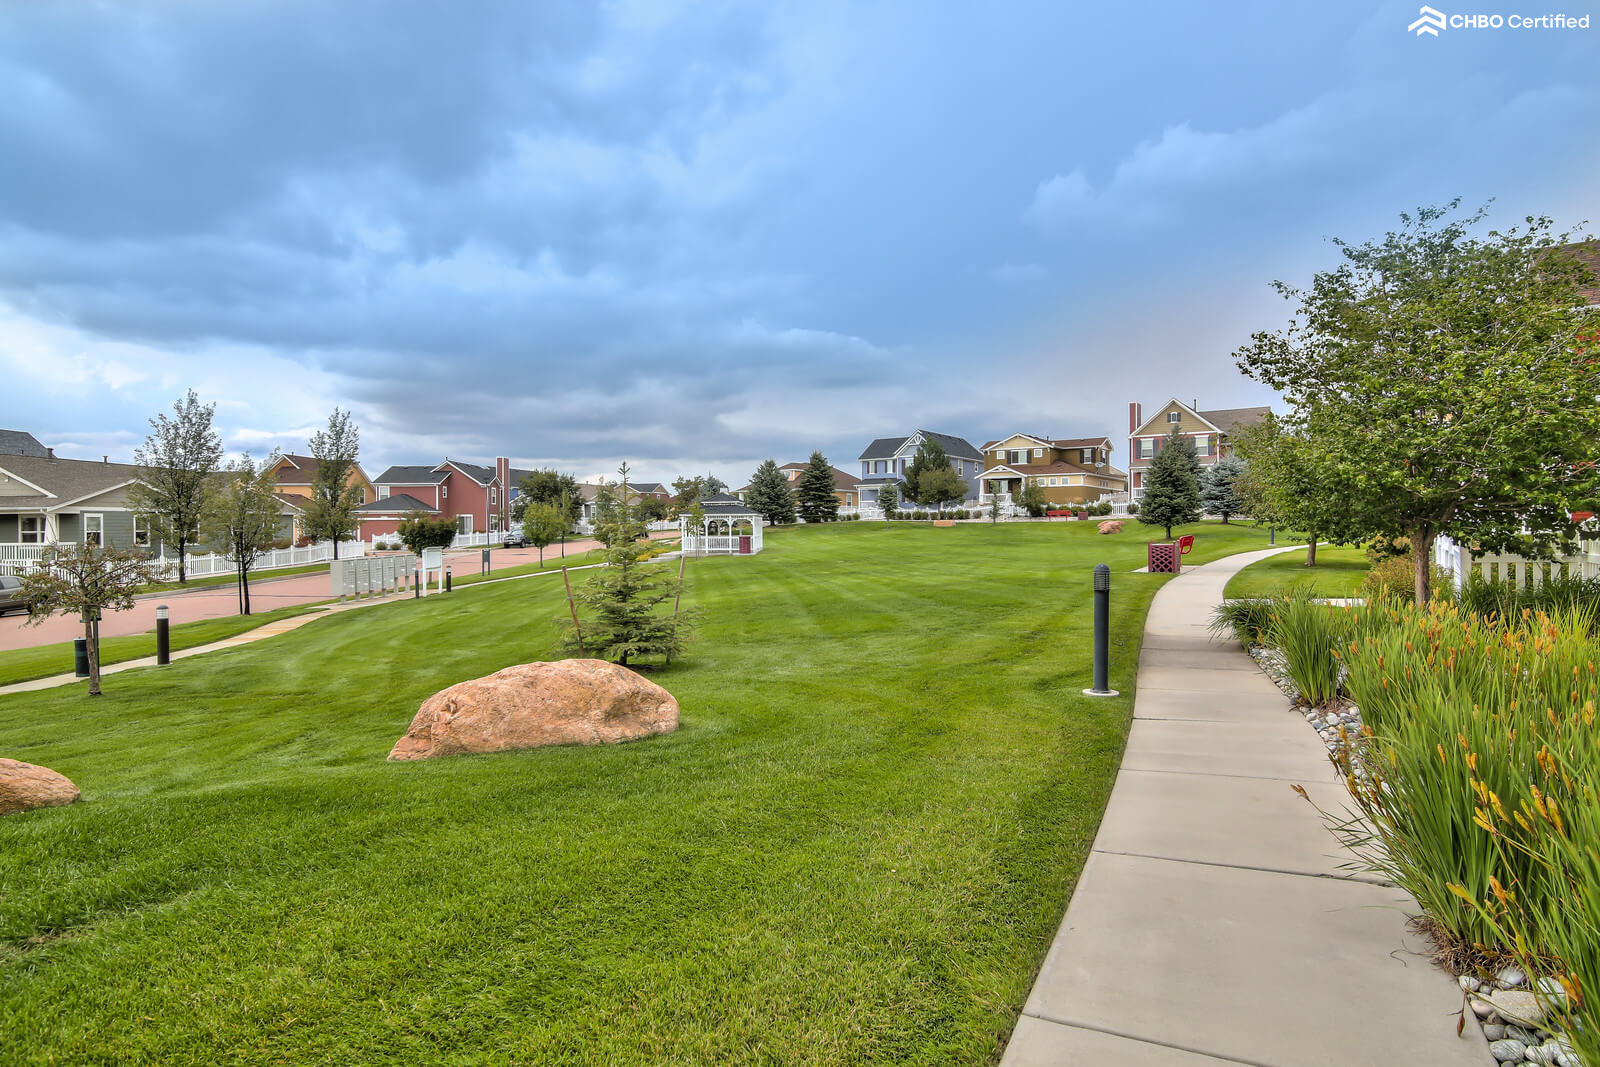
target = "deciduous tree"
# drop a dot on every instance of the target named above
(244, 517)
(419, 530)
(546, 486)
(542, 524)
(929, 457)
(89, 580)
(173, 483)
(1449, 380)
(331, 515)
(941, 485)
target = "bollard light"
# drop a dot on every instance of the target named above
(1102, 627)
(163, 637)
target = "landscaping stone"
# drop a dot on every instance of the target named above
(25, 786)
(1510, 977)
(568, 702)
(1506, 1050)
(1494, 1031)
(1110, 526)
(1517, 1006)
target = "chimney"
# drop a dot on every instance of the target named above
(1135, 416)
(50, 452)
(105, 459)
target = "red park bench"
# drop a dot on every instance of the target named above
(1185, 543)
(1058, 514)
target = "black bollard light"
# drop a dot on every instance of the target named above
(1102, 634)
(484, 567)
(447, 579)
(1272, 535)
(163, 637)
(416, 584)
(80, 657)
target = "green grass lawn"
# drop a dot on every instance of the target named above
(1338, 573)
(856, 849)
(23, 664)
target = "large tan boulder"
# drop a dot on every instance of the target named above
(1110, 526)
(24, 786)
(569, 702)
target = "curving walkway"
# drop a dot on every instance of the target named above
(1212, 923)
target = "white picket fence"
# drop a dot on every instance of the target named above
(19, 559)
(1458, 562)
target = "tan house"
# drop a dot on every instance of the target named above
(295, 475)
(1209, 430)
(1071, 471)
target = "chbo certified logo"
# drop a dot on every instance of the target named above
(1431, 21)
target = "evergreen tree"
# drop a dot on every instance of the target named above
(624, 596)
(929, 458)
(939, 486)
(173, 485)
(815, 491)
(1219, 487)
(770, 494)
(1172, 485)
(888, 499)
(331, 515)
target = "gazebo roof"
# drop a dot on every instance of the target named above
(723, 504)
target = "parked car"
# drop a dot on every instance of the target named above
(514, 539)
(11, 595)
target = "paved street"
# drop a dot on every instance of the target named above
(266, 593)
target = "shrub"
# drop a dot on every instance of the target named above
(1246, 619)
(1381, 548)
(1133, 509)
(1557, 594)
(1394, 577)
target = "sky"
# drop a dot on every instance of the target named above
(694, 236)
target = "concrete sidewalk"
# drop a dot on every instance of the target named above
(1212, 922)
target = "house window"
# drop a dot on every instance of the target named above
(361, 495)
(1174, 416)
(383, 492)
(1202, 446)
(1000, 455)
(1038, 453)
(94, 527)
(1086, 455)
(864, 470)
(1147, 447)
(33, 529)
(141, 531)
(494, 495)
(444, 492)
(879, 467)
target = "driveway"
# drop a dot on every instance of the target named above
(266, 593)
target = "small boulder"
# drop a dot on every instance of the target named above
(1110, 526)
(24, 786)
(568, 702)
(1513, 1005)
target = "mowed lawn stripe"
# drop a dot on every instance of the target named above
(856, 848)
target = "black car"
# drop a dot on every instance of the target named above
(515, 540)
(11, 595)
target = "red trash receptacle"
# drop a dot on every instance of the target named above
(1164, 558)
(744, 545)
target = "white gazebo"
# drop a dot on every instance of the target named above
(731, 528)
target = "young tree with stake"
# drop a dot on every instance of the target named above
(244, 518)
(86, 579)
(331, 515)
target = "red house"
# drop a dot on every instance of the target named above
(474, 496)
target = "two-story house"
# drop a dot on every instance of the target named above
(472, 495)
(296, 474)
(1071, 471)
(886, 459)
(1209, 430)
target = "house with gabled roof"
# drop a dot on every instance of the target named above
(22, 443)
(886, 459)
(1071, 471)
(845, 485)
(295, 475)
(1212, 432)
(476, 497)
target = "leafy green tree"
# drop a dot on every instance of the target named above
(1219, 493)
(1172, 485)
(1448, 380)
(814, 491)
(1291, 484)
(770, 494)
(173, 485)
(543, 524)
(686, 490)
(938, 486)
(331, 514)
(888, 500)
(89, 580)
(625, 598)
(930, 456)
(244, 518)
(419, 530)
(546, 486)
(652, 508)
(1032, 498)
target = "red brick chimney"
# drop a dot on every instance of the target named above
(1135, 416)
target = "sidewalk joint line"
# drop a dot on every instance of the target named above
(1149, 1040)
(1364, 879)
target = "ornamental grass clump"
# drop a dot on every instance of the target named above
(1309, 634)
(1476, 779)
